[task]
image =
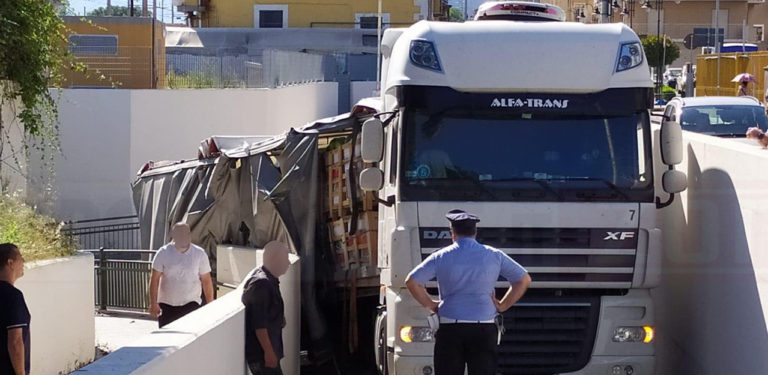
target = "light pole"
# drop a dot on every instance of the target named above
(659, 8)
(466, 11)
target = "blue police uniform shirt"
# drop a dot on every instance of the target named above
(467, 272)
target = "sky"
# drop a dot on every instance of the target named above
(163, 7)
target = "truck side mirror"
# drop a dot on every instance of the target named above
(671, 138)
(674, 181)
(372, 141)
(371, 179)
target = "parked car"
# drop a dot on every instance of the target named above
(723, 116)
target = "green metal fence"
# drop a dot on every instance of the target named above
(122, 278)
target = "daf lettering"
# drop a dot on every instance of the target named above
(437, 235)
(619, 236)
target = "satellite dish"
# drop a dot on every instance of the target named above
(677, 2)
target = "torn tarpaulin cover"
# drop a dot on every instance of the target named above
(245, 197)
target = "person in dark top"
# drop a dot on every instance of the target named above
(264, 312)
(14, 315)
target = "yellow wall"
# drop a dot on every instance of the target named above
(301, 13)
(731, 64)
(132, 67)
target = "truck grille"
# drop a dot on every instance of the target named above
(548, 338)
(558, 257)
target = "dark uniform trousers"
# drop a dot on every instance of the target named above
(259, 369)
(470, 344)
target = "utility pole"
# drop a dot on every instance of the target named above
(130, 5)
(153, 68)
(717, 41)
(466, 11)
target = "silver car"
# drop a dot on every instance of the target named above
(723, 116)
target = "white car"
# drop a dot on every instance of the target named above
(723, 116)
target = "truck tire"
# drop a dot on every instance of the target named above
(380, 343)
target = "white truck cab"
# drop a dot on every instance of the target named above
(543, 130)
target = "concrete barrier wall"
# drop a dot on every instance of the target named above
(59, 295)
(713, 301)
(360, 90)
(210, 340)
(107, 135)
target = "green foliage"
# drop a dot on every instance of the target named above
(654, 50)
(195, 80)
(32, 51)
(116, 11)
(202, 79)
(38, 237)
(456, 15)
(667, 93)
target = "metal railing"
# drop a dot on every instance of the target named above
(122, 283)
(678, 31)
(273, 68)
(120, 232)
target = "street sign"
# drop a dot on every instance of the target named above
(693, 41)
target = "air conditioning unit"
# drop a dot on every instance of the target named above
(707, 50)
(755, 1)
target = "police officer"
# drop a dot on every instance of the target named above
(466, 273)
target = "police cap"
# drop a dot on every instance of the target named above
(460, 216)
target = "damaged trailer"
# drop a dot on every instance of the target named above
(247, 191)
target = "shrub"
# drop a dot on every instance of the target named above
(38, 237)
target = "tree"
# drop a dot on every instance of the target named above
(654, 50)
(456, 15)
(32, 53)
(116, 11)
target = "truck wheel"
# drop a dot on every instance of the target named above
(380, 343)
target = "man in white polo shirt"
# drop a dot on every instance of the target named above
(181, 272)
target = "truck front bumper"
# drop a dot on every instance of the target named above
(598, 365)
(625, 365)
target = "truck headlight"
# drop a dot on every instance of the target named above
(424, 54)
(415, 334)
(633, 334)
(630, 56)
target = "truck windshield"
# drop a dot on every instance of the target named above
(526, 157)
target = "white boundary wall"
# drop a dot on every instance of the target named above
(59, 295)
(107, 135)
(210, 340)
(713, 301)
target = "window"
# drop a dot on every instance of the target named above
(82, 44)
(271, 19)
(759, 32)
(371, 20)
(270, 16)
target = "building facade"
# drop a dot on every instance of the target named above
(117, 52)
(739, 21)
(303, 14)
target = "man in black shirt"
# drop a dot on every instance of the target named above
(264, 314)
(14, 316)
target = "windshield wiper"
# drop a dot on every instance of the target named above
(611, 185)
(542, 183)
(474, 182)
(730, 135)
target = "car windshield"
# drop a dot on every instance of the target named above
(723, 119)
(458, 156)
